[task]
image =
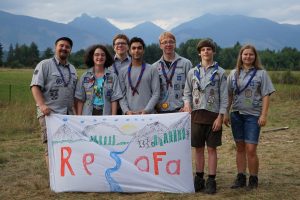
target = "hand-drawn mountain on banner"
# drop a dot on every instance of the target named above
(101, 133)
(66, 134)
(184, 122)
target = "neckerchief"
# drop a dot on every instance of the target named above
(61, 74)
(238, 91)
(134, 88)
(115, 68)
(213, 74)
(169, 80)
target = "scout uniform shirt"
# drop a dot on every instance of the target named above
(208, 93)
(57, 83)
(147, 93)
(85, 91)
(248, 89)
(172, 81)
(118, 64)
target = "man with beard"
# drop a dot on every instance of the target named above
(53, 85)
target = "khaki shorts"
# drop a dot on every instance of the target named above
(42, 122)
(202, 133)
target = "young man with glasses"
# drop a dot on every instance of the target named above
(121, 58)
(173, 70)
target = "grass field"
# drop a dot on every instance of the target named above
(23, 173)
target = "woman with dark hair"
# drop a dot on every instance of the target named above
(98, 89)
(249, 90)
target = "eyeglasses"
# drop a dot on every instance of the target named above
(120, 43)
(171, 42)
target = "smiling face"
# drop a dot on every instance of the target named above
(167, 45)
(99, 57)
(136, 51)
(248, 57)
(206, 54)
(62, 50)
(120, 47)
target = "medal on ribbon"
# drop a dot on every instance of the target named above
(165, 105)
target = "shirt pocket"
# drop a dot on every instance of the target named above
(57, 79)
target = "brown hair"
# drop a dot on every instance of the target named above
(206, 43)
(120, 36)
(89, 56)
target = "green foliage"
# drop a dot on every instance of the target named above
(152, 53)
(286, 77)
(48, 53)
(1, 55)
(77, 58)
(286, 59)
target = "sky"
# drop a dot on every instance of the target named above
(164, 13)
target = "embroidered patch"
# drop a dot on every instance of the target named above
(36, 72)
(86, 79)
(176, 87)
(248, 93)
(54, 93)
(59, 81)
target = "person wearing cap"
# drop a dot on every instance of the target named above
(173, 70)
(205, 97)
(53, 85)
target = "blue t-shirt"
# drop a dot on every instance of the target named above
(98, 92)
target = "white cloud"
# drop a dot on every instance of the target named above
(167, 14)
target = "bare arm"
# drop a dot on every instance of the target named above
(114, 107)
(79, 106)
(226, 119)
(262, 121)
(39, 99)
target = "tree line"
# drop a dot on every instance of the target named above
(20, 56)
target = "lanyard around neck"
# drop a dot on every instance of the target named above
(61, 74)
(238, 90)
(134, 88)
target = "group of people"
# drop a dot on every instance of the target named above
(126, 84)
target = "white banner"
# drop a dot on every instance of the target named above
(138, 153)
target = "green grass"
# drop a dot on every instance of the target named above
(23, 173)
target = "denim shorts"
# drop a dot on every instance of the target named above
(245, 127)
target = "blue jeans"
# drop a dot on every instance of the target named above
(245, 127)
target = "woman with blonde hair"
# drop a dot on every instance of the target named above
(249, 90)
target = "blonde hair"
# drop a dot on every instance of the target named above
(239, 62)
(166, 34)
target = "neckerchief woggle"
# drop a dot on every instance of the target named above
(134, 88)
(61, 74)
(213, 74)
(169, 80)
(238, 91)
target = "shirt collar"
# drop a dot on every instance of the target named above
(58, 63)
